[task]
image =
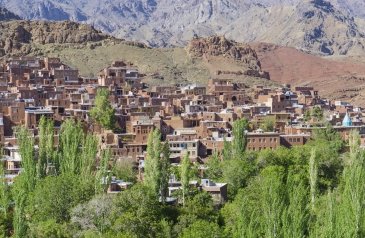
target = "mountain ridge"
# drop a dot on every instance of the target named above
(317, 26)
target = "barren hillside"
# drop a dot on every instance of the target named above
(334, 78)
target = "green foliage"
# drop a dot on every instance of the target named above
(165, 171)
(214, 168)
(71, 138)
(352, 206)
(185, 177)
(103, 112)
(157, 165)
(102, 177)
(54, 197)
(227, 150)
(5, 204)
(50, 229)
(88, 155)
(26, 149)
(317, 113)
(152, 163)
(200, 206)
(137, 212)
(268, 124)
(124, 170)
(316, 190)
(25, 182)
(45, 145)
(239, 142)
(202, 229)
(236, 173)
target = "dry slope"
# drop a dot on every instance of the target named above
(336, 79)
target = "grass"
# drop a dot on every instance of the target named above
(162, 66)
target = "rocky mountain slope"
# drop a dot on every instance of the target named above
(6, 15)
(18, 37)
(314, 25)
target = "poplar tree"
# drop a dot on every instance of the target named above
(26, 149)
(4, 198)
(152, 170)
(45, 145)
(296, 212)
(352, 207)
(25, 182)
(313, 177)
(185, 176)
(165, 171)
(71, 138)
(227, 150)
(272, 200)
(102, 176)
(88, 156)
(239, 142)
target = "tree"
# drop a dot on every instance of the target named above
(165, 171)
(71, 140)
(352, 206)
(45, 146)
(5, 204)
(227, 150)
(236, 173)
(55, 196)
(202, 229)
(88, 156)
(272, 192)
(25, 182)
(103, 112)
(124, 169)
(102, 175)
(50, 228)
(185, 177)
(137, 211)
(152, 170)
(239, 142)
(157, 165)
(94, 215)
(307, 115)
(296, 211)
(317, 113)
(214, 167)
(313, 174)
(268, 124)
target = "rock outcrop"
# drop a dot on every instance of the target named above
(219, 46)
(17, 37)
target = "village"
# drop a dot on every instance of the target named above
(194, 119)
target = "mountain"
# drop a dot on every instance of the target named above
(317, 26)
(6, 15)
